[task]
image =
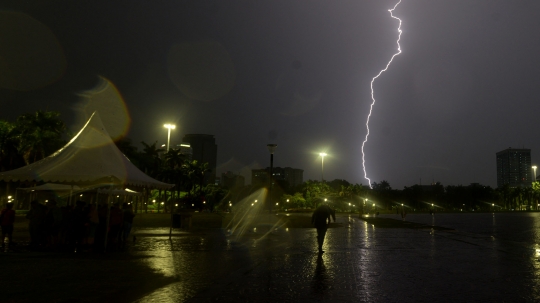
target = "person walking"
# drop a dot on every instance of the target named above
(52, 223)
(321, 219)
(115, 225)
(7, 218)
(36, 217)
(127, 223)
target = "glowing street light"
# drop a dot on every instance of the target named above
(534, 169)
(169, 127)
(322, 165)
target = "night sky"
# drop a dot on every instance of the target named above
(294, 73)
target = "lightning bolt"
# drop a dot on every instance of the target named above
(372, 92)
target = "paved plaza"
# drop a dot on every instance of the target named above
(361, 263)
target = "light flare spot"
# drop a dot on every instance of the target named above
(106, 99)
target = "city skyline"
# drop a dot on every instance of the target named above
(293, 74)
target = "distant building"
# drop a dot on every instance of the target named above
(293, 176)
(514, 167)
(230, 180)
(185, 149)
(204, 149)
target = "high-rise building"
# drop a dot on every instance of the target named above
(204, 149)
(293, 176)
(514, 167)
(186, 150)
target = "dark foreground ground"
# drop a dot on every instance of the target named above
(274, 259)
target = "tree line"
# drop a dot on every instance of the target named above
(33, 136)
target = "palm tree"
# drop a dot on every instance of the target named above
(176, 168)
(150, 161)
(9, 155)
(39, 134)
(174, 158)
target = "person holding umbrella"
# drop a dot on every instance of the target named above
(321, 219)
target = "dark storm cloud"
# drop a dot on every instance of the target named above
(465, 86)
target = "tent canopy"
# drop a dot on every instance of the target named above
(76, 189)
(90, 158)
(52, 187)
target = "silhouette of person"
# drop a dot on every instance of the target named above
(321, 219)
(7, 218)
(36, 216)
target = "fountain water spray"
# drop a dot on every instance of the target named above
(248, 215)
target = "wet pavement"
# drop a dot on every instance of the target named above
(362, 263)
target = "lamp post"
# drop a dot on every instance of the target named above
(534, 169)
(169, 127)
(322, 165)
(271, 149)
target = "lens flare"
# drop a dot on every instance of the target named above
(108, 102)
(372, 92)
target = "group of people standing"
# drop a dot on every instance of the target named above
(82, 226)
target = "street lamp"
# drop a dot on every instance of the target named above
(322, 165)
(169, 127)
(534, 169)
(271, 149)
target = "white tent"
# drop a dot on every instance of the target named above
(103, 189)
(52, 187)
(90, 158)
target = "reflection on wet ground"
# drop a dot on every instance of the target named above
(362, 263)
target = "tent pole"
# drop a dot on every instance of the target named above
(70, 195)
